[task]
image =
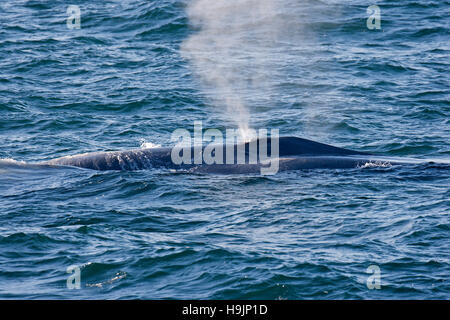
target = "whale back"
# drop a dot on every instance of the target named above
(161, 157)
(293, 146)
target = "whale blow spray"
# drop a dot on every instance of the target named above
(230, 51)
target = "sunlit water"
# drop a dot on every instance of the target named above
(125, 79)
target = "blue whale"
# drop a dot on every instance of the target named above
(293, 153)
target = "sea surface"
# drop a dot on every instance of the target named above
(135, 70)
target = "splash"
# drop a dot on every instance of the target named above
(148, 145)
(229, 52)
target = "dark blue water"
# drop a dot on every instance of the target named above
(137, 70)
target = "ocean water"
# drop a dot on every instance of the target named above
(137, 70)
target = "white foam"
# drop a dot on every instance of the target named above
(11, 161)
(375, 164)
